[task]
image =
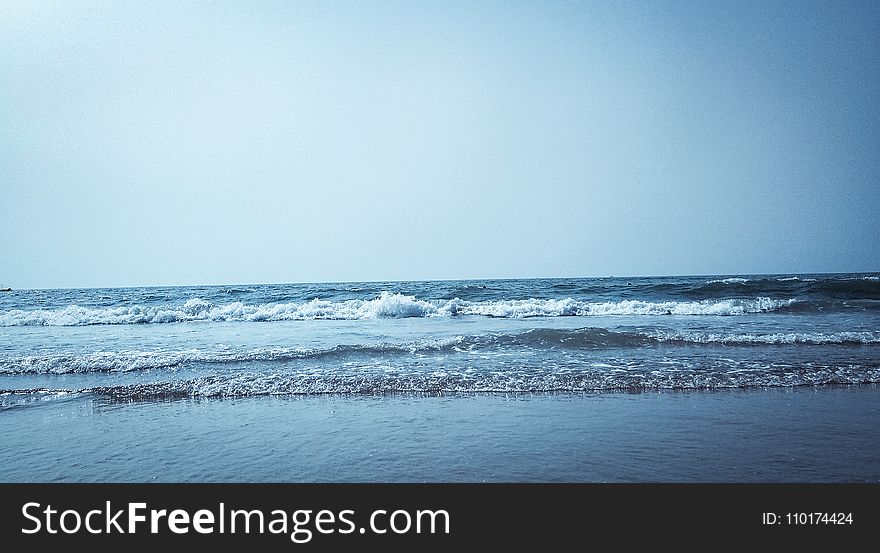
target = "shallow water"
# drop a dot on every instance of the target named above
(826, 434)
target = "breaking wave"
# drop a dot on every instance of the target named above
(386, 305)
(734, 280)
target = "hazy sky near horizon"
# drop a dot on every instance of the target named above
(148, 143)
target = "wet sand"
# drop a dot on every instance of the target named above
(805, 434)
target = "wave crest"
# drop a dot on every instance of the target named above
(733, 280)
(386, 305)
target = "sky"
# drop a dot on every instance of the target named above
(164, 143)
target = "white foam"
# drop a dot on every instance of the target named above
(105, 361)
(705, 307)
(387, 305)
(728, 281)
(795, 279)
(378, 379)
(133, 360)
(395, 306)
(516, 309)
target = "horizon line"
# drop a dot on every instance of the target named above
(469, 279)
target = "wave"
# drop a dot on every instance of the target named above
(130, 361)
(733, 280)
(600, 338)
(569, 307)
(197, 309)
(386, 305)
(588, 339)
(835, 288)
(591, 378)
(740, 280)
(779, 338)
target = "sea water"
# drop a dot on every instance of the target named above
(134, 356)
(436, 337)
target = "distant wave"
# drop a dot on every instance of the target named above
(740, 280)
(862, 287)
(537, 339)
(570, 307)
(386, 305)
(796, 279)
(733, 280)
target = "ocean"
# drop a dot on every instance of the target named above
(568, 379)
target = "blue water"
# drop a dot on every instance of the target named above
(544, 335)
(727, 378)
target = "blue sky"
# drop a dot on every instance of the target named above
(147, 143)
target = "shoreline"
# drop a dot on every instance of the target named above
(35, 396)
